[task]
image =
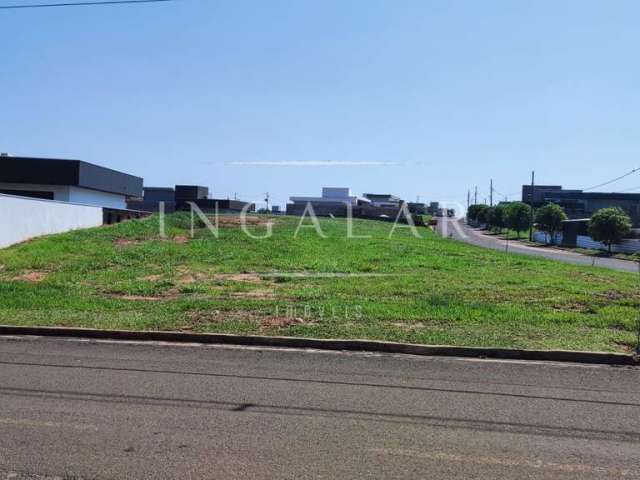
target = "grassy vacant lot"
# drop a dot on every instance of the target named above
(429, 290)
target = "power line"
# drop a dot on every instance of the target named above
(614, 180)
(81, 4)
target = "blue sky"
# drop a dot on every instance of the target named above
(438, 96)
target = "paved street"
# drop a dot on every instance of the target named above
(459, 231)
(76, 409)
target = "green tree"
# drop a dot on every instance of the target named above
(496, 218)
(549, 219)
(518, 216)
(477, 213)
(483, 214)
(609, 226)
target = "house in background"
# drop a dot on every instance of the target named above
(418, 208)
(182, 197)
(575, 233)
(43, 196)
(334, 201)
(72, 181)
(383, 200)
(339, 202)
(579, 204)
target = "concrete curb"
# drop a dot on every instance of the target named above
(320, 344)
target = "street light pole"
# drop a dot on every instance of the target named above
(491, 193)
(533, 186)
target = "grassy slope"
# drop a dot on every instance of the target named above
(431, 290)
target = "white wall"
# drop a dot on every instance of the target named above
(94, 197)
(60, 192)
(541, 237)
(24, 218)
(626, 246)
(63, 193)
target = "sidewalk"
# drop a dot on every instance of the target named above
(477, 237)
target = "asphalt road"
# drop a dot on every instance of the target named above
(79, 409)
(457, 230)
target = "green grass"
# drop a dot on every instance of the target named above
(428, 290)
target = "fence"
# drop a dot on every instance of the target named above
(626, 246)
(541, 237)
(23, 218)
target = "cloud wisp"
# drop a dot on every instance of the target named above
(310, 163)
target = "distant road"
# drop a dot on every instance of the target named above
(74, 409)
(447, 226)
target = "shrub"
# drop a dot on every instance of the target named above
(609, 226)
(496, 217)
(518, 216)
(549, 219)
(478, 213)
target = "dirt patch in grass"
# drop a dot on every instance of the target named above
(121, 296)
(126, 242)
(187, 277)
(612, 295)
(168, 295)
(265, 322)
(225, 221)
(181, 239)
(32, 276)
(153, 278)
(265, 294)
(190, 278)
(409, 326)
(239, 277)
(573, 307)
(625, 347)
(281, 322)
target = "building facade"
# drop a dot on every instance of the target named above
(182, 197)
(580, 204)
(72, 181)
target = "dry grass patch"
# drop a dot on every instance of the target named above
(239, 277)
(258, 294)
(265, 322)
(32, 276)
(225, 221)
(125, 242)
(180, 239)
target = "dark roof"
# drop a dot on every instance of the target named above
(556, 191)
(381, 195)
(76, 173)
(596, 195)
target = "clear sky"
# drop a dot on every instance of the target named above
(415, 97)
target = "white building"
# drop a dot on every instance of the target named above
(331, 196)
(383, 200)
(71, 181)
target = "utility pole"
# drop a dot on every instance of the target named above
(468, 199)
(491, 193)
(475, 197)
(533, 186)
(266, 199)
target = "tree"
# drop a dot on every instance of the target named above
(549, 219)
(477, 213)
(518, 216)
(609, 226)
(483, 214)
(496, 217)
